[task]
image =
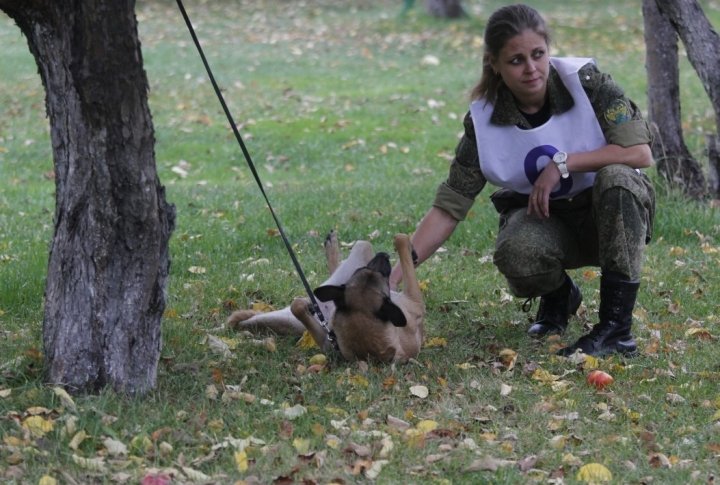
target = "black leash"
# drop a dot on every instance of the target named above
(315, 307)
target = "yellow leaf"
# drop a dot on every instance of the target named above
(5, 393)
(65, 398)
(465, 366)
(544, 376)
(699, 333)
(241, 460)
(508, 358)
(318, 359)
(677, 251)
(13, 441)
(426, 425)
(436, 342)
(591, 362)
(358, 381)
(77, 439)
(424, 285)
(38, 425)
(197, 270)
(306, 342)
(47, 480)
(301, 445)
(261, 306)
(94, 464)
(716, 416)
(594, 473)
(232, 343)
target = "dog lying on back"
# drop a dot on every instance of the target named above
(369, 321)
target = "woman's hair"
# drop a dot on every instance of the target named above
(504, 24)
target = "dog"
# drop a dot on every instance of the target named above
(369, 321)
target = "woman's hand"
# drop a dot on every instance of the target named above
(539, 200)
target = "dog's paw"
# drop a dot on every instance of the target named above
(235, 319)
(331, 240)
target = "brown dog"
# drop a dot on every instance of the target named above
(368, 319)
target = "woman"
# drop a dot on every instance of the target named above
(565, 145)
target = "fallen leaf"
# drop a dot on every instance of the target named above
(294, 412)
(426, 425)
(593, 473)
(241, 461)
(436, 342)
(38, 426)
(93, 464)
(156, 479)
(488, 463)
(47, 480)
(65, 398)
(77, 439)
(419, 391)
(306, 342)
(114, 447)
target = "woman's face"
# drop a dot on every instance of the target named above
(524, 65)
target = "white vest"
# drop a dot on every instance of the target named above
(513, 158)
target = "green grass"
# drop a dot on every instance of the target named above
(334, 103)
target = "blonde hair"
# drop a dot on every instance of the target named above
(504, 24)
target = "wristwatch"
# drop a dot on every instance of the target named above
(560, 159)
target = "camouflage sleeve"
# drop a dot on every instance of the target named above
(620, 119)
(456, 195)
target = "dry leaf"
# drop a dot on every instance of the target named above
(65, 398)
(419, 391)
(397, 423)
(38, 426)
(508, 357)
(436, 342)
(47, 480)
(426, 425)
(488, 463)
(114, 447)
(241, 461)
(93, 464)
(77, 439)
(593, 473)
(306, 342)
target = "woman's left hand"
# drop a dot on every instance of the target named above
(539, 200)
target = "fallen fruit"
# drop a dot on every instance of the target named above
(599, 379)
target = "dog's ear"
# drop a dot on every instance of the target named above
(330, 292)
(389, 311)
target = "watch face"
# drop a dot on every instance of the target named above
(560, 157)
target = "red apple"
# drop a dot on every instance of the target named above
(599, 379)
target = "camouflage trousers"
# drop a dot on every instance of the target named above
(607, 225)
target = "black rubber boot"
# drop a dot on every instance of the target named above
(555, 309)
(612, 333)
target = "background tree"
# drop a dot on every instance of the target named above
(439, 8)
(665, 21)
(109, 261)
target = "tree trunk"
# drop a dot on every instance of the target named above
(445, 8)
(109, 260)
(702, 45)
(674, 161)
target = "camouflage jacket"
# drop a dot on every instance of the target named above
(619, 118)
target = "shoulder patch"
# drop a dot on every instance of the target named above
(618, 112)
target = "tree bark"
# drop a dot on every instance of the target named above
(445, 8)
(674, 161)
(702, 44)
(109, 259)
